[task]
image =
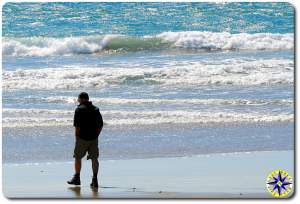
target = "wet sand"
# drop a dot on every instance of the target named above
(231, 175)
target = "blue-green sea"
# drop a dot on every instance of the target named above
(170, 79)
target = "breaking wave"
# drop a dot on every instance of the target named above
(183, 73)
(195, 40)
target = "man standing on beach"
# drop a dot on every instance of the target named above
(88, 124)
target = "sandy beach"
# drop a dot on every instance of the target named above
(231, 175)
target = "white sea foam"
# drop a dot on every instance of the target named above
(41, 117)
(160, 101)
(227, 41)
(185, 73)
(43, 46)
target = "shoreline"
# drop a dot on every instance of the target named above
(201, 176)
(124, 159)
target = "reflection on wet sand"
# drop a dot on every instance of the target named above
(76, 190)
(95, 192)
(78, 193)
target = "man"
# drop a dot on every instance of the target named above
(88, 124)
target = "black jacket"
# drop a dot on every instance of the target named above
(89, 119)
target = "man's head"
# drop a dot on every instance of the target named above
(83, 97)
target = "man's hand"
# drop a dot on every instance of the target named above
(99, 131)
(77, 131)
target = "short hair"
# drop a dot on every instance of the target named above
(83, 95)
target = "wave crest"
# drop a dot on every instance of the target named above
(196, 40)
(227, 41)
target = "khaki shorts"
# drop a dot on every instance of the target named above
(83, 146)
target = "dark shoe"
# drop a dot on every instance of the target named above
(74, 181)
(94, 183)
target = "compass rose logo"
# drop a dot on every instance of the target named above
(279, 183)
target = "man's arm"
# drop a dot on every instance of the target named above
(77, 123)
(99, 120)
(77, 132)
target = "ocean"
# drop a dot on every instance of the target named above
(170, 79)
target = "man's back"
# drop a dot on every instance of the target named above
(88, 118)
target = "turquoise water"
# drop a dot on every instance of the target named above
(169, 78)
(139, 19)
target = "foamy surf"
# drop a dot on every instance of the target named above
(45, 117)
(195, 40)
(154, 101)
(243, 72)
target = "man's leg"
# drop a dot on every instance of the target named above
(79, 152)
(76, 178)
(77, 166)
(95, 167)
(93, 155)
